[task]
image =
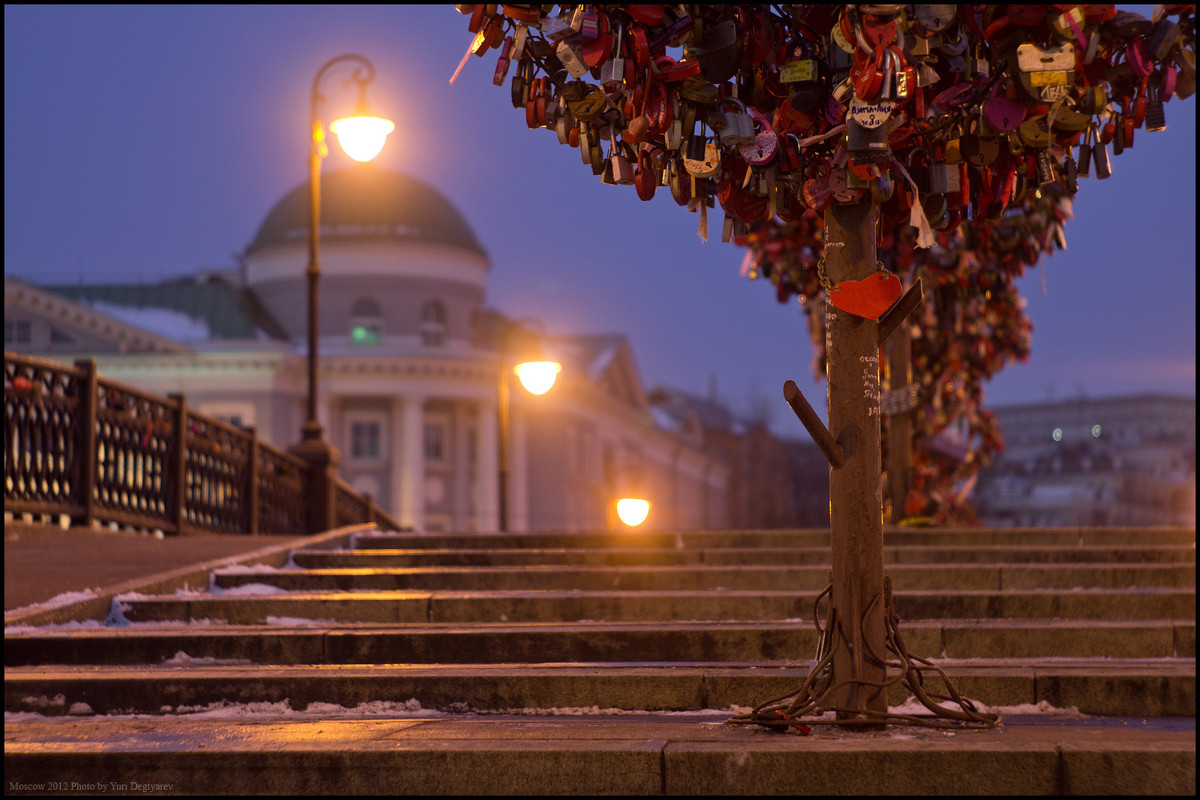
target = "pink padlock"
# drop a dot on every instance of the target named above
(1138, 58)
(1002, 113)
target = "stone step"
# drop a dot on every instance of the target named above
(701, 539)
(628, 605)
(929, 577)
(1134, 687)
(640, 755)
(590, 641)
(648, 556)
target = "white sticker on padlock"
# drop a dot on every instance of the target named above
(870, 115)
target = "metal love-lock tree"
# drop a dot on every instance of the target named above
(940, 139)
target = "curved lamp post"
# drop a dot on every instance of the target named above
(361, 137)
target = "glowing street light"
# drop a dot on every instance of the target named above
(362, 137)
(633, 511)
(538, 376)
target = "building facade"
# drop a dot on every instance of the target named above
(410, 366)
(1110, 461)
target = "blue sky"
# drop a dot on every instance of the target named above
(148, 141)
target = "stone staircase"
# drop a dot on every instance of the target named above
(597, 663)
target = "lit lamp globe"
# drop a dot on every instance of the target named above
(633, 511)
(362, 137)
(538, 376)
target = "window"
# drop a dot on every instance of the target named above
(18, 332)
(239, 414)
(433, 324)
(58, 337)
(435, 441)
(366, 323)
(365, 440)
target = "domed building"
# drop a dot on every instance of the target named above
(411, 361)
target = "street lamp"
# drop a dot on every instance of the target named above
(537, 375)
(633, 510)
(361, 137)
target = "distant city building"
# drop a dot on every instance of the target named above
(773, 482)
(1111, 461)
(410, 360)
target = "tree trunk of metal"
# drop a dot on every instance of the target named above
(855, 488)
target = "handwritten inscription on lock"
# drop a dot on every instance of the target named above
(870, 115)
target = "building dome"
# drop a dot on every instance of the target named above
(368, 203)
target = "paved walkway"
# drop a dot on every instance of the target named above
(44, 561)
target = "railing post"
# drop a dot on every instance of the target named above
(322, 460)
(179, 485)
(86, 456)
(251, 493)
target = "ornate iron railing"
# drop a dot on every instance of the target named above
(94, 449)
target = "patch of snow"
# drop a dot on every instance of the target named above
(301, 622)
(913, 707)
(249, 589)
(182, 659)
(58, 601)
(164, 321)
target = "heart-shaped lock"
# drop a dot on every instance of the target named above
(867, 298)
(1002, 112)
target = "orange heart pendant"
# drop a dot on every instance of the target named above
(867, 298)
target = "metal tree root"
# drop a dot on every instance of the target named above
(815, 695)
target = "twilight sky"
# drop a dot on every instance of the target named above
(144, 142)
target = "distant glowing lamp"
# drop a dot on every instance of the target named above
(538, 376)
(362, 137)
(633, 511)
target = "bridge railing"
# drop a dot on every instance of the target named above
(95, 449)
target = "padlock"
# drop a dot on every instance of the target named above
(943, 177)
(1101, 160)
(1068, 25)
(585, 26)
(1156, 118)
(1047, 169)
(1046, 74)
(952, 153)
(1083, 165)
(739, 127)
(706, 166)
(975, 148)
(572, 60)
(622, 167)
(762, 149)
(1070, 174)
(980, 67)
(805, 77)
(932, 19)
(1185, 83)
(695, 142)
(612, 72)
(904, 78)
(867, 145)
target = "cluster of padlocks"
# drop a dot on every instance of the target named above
(970, 125)
(771, 110)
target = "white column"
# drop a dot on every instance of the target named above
(408, 460)
(487, 468)
(518, 474)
